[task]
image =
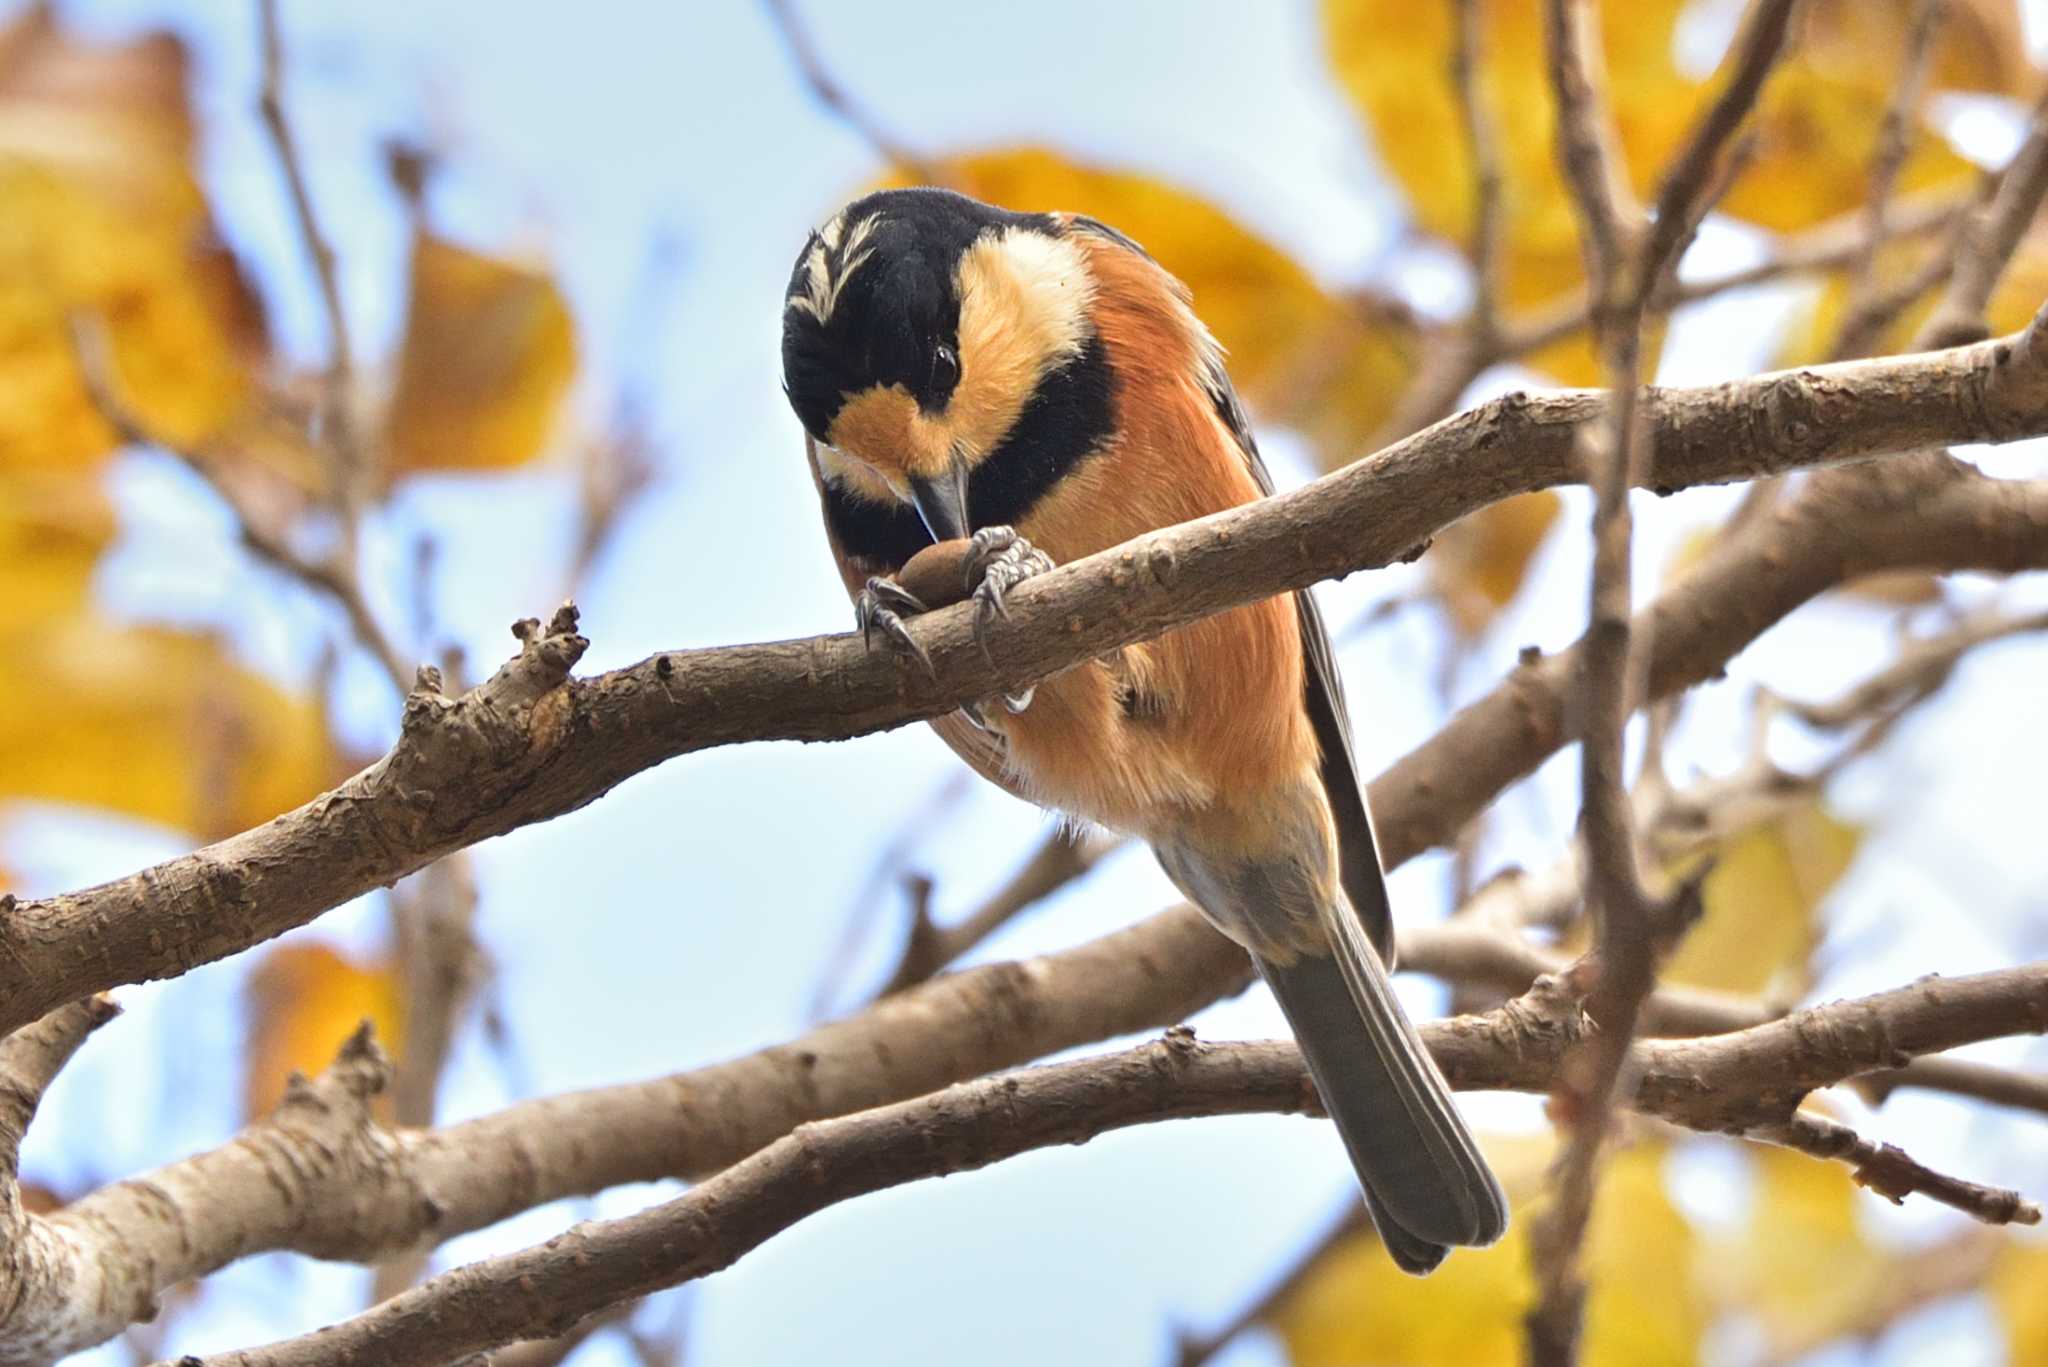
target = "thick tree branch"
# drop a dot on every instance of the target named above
(1760, 1075)
(522, 747)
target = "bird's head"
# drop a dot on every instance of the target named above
(918, 329)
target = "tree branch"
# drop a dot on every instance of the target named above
(522, 747)
(546, 1289)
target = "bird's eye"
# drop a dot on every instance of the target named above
(945, 369)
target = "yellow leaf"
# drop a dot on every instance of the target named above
(1981, 45)
(2015, 1283)
(155, 723)
(53, 526)
(100, 216)
(490, 351)
(1392, 57)
(1355, 1308)
(1759, 927)
(1816, 126)
(1800, 1264)
(1477, 564)
(303, 1001)
(1328, 366)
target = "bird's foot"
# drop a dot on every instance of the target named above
(885, 606)
(997, 561)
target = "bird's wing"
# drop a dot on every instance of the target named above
(981, 749)
(1364, 883)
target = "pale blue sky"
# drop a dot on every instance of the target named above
(687, 916)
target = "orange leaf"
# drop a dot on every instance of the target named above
(101, 216)
(1477, 564)
(490, 350)
(303, 1000)
(156, 723)
(1300, 355)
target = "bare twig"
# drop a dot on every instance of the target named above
(1062, 858)
(1893, 1174)
(1608, 217)
(1484, 149)
(827, 90)
(1992, 238)
(1193, 1350)
(1623, 267)
(1686, 192)
(1894, 141)
(333, 576)
(337, 401)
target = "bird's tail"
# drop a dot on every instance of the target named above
(1425, 1181)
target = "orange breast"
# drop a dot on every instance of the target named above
(1190, 728)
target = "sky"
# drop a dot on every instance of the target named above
(666, 159)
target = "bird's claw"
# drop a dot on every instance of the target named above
(997, 561)
(884, 606)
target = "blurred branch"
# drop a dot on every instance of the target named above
(1990, 240)
(1062, 858)
(338, 428)
(1193, 1350)
(1484, 149)
(1894, 1174)
(1587, 158)
(332, 576)
(827, 90)
(1861, 320)
(359, 1192)
(525, 745)
(1625, 258)
(1750, 1080)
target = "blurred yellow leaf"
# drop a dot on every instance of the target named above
(303, 1001)
(100, 216)
(1326, 365)
(1759, 926)
(1477, 564)
(155, 723)
(53, 526)
(1816, 126)
(2019, 292)
(490, 351)
(1980, 47)
(1800, 1263)
(2015, 1284)
(1393, 57)
(1355, 1308)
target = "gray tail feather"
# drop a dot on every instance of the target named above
(1426, 1183)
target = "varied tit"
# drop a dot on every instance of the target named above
(1038, 385)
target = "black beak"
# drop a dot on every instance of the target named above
(942, 502)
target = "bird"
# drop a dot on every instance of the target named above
(1030, 388)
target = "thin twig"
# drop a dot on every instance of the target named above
(1894, 141)
(1484, 149)
(1894, 1174)
(1194, 1350)
(1993, 236)
(1061, 859)
(1686, 191)
(338, 426)
(331, 576)
(827, 90)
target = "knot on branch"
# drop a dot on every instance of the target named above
(447, 741)
(360, 1070)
